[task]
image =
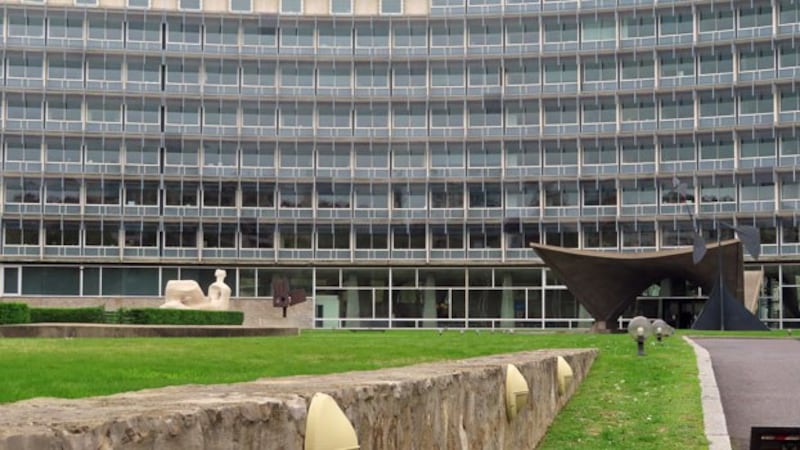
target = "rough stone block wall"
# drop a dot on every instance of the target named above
(448, 405)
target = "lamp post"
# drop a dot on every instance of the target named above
(639, 328)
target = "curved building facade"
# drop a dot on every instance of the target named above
(393, 157)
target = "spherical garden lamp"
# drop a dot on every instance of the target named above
(639, 328)
(662, 329)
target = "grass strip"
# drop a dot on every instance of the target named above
(626, 401)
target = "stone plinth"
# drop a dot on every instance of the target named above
(448, 405)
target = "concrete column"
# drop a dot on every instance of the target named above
(429, 301)
(353, 307)
(507, 303)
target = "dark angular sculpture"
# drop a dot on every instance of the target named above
(283, 297)
(723, 312)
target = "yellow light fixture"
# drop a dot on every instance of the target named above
(516, 391)
(327, 428)
(564, 374)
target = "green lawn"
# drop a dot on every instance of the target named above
(626, 401)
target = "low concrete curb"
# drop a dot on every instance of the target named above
(713, 415)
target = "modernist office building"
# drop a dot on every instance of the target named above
(392, 157)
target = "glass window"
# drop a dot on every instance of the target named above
(447, 34)
(599, 70)
(447, 76)
(755, 16)
(758, 58)
(556, 72)
(485, 34)
(718, 148)
(677, 107)
(758, 102)
(562, 30)
(410, 76)
(523, 154)
(599, 110)
(190, 5)
(24, 107)
(789, 11)
(717, 104)
(371, 116)
(633, 153)
(372, 156)
(102, 192)
(634, 26)
(259, 34)
(335, 36)
(259, 74)
(333, 76)
(372, 35)
(222, 73)
(103, 110)
(25, 66)
(102, 151)
(638, 67)
(341, 6)
(23, 191)
(560, 113)
(297, 36)
(63, 67)
(719, 61)
(25, 24)
(522, 33)
(144, 70)
(758, 147)
(255, 155)
(676, 64)
(634, 110)
(410, 35)
(105, 28)
(411, 156)
(391, 6)
(296, 115)
(241, 5)
(144, 30)
(64, 109)
(180, 71)
(292, 6)
(520, 73)
(297, 75)
(447, 116)
(372, 76)
(139, 4)
(716, 18)
(28, 149)
(522, 113)
(447, 155)
(677, 150)
(142, 111)
(103, 68)
(563, 154)
(598, 29)
(67, 27)
(409, 116)
(599, 152)
(674, 23)
(259, 114)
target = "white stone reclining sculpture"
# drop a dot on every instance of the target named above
(186, 294)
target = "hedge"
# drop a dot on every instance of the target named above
(157, 316)
(14, 313)
(72, 315)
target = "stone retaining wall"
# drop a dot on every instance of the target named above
(448, 405)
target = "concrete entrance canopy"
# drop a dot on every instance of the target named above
(606, 283)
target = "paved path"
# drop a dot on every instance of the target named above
(759, 383)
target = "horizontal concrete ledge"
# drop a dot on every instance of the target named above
(452, 405)
(86, 330)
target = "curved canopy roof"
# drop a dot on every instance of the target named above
(606, 283)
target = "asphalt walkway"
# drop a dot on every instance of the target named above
(758, 382)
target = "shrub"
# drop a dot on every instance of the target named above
(14, 313)
(73, 315)
(157, 316)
